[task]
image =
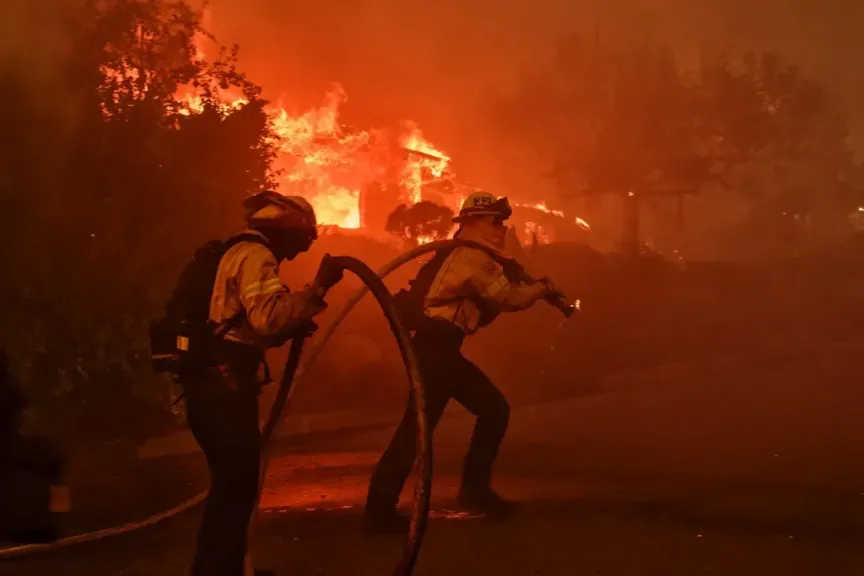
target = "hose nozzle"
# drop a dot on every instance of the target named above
(566, 308)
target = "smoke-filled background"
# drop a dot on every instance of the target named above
(434, 63)
(437, 64)
(440, 65)
(444, 66)
(109, 184)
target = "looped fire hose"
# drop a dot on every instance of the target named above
(420, 509)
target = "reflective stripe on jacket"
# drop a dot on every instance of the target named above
(248, 279)
(470, 290)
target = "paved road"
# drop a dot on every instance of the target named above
(756, 473)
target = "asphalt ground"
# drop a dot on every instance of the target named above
(757, 471)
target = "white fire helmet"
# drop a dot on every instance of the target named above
(271, 209)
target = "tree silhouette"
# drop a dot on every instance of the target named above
(100, 212)
(619, 121)
(791, 137)
(630, 122)
(422, 221)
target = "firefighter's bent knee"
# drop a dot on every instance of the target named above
(498, 413)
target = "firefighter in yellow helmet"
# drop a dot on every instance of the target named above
(461, 291)
(250, 309)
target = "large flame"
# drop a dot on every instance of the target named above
(539, 233)
(535, 233)
(423, 160)
(331, 166)
(318, 157)
(321, 160)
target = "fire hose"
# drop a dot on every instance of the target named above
(420, 510)
(294, 373)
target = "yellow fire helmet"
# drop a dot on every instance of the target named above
(484, 204)
(271, 209)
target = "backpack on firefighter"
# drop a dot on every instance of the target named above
(410, 303)
(185, 337)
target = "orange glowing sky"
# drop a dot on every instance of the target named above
(435, 65)
(406, 59)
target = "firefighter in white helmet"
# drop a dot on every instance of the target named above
(251, 310)
(461, 291)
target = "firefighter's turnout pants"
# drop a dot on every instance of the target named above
(447, 374)
(222, 412)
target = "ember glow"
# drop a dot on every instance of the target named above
(422, 158)
(192, 103)
(541, 206)
(534, 230)
(330, 166)
(322, 162)
(319, 159)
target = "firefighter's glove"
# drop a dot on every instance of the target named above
(303, 329)
(552, 291)
(306, 329)
(556, 297)
(328, 275)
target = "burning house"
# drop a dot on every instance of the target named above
(356, 178)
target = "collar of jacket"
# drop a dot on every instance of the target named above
(252, 232)
(474, 235)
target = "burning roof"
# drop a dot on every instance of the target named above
(340, 169)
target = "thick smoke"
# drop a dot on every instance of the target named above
(437, 62)
(34, 43)
(433, 62)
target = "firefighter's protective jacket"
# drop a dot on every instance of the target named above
(248, 279)
(470, 289)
